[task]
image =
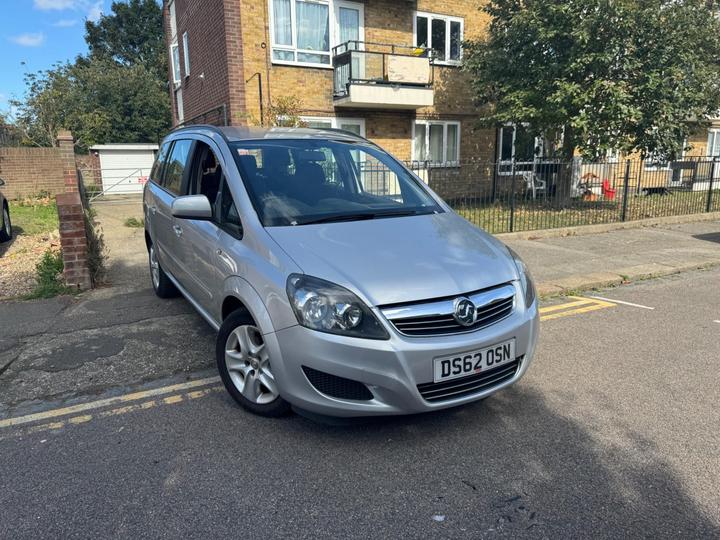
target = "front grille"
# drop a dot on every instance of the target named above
(337, 387)
(436, 317)
(472, 384)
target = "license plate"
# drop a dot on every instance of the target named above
(472, 362)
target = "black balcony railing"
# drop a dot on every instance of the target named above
(360, 62)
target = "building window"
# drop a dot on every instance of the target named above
(180, 107)
(355, 125)
(518, 148)
(173, 20)
(437, 142)
(186, 54)
(304, 31)
(442, 34)
(713, 146)
(175, 62)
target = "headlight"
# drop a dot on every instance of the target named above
(324, 306)
(526, 281)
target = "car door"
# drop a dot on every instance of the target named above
(167, 231)
(199, 237)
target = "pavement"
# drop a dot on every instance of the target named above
(586, 261)
(613, 433)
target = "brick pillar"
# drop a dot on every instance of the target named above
(67, 154)
(73, 240)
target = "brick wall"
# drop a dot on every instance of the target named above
(204, 23)
(386, 21)
(28, 171)
(73, 240)
(230, 44)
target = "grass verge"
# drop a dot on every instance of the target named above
(34, 218)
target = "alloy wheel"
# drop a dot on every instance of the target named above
(248, 364)
(154, 268)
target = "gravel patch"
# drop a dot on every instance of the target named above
(18, 259)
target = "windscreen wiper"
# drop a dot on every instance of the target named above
(359, 216)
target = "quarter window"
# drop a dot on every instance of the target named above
(156, 172)
(437, 142)
(175, 167)
(229, 215)
(442, 34)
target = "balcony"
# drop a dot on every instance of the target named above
(380, 76)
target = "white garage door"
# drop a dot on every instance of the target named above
(125, 171)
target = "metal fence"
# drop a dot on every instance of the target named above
(515, 196)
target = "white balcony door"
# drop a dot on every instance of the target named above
(350, 26)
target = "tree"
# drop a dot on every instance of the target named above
(632, 75)
(117, 93)
(43, 110)
(131, 35)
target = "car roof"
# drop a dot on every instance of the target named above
(242, 133)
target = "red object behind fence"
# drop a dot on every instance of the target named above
(608, 192)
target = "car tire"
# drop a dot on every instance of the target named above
(244, 365)
(6, 229)
(161, 283)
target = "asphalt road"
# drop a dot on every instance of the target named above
(614, 432)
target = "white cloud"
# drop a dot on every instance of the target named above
(95, 11)
(29, 39)
(92, 8)
(65, 23)
(49, 5)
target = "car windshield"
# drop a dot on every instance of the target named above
(301, 182)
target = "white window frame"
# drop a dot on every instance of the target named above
(335, 121)
(333, 6)
(177, 76)
(504, 162)
(425, 124)
(448, 19)
(713, 141)
(186, 54)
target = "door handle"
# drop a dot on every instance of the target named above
(153, 209)
(178, 230)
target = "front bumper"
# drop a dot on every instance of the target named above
(391, 369)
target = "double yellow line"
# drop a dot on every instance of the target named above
(577, 306)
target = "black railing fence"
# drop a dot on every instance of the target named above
(507, 197)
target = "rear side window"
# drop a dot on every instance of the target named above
(156, 172)
(175, 167)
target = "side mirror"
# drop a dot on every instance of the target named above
(2, 182)
(192, 207)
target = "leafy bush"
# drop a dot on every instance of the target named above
(135, 223)
(49, 276)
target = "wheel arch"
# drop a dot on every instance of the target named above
(239, 294)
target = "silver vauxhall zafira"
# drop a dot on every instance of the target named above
(338, 282)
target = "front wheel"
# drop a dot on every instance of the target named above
(6, 230)
(245, 366)
(161, 283)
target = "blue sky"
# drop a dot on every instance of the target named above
(40, 33)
